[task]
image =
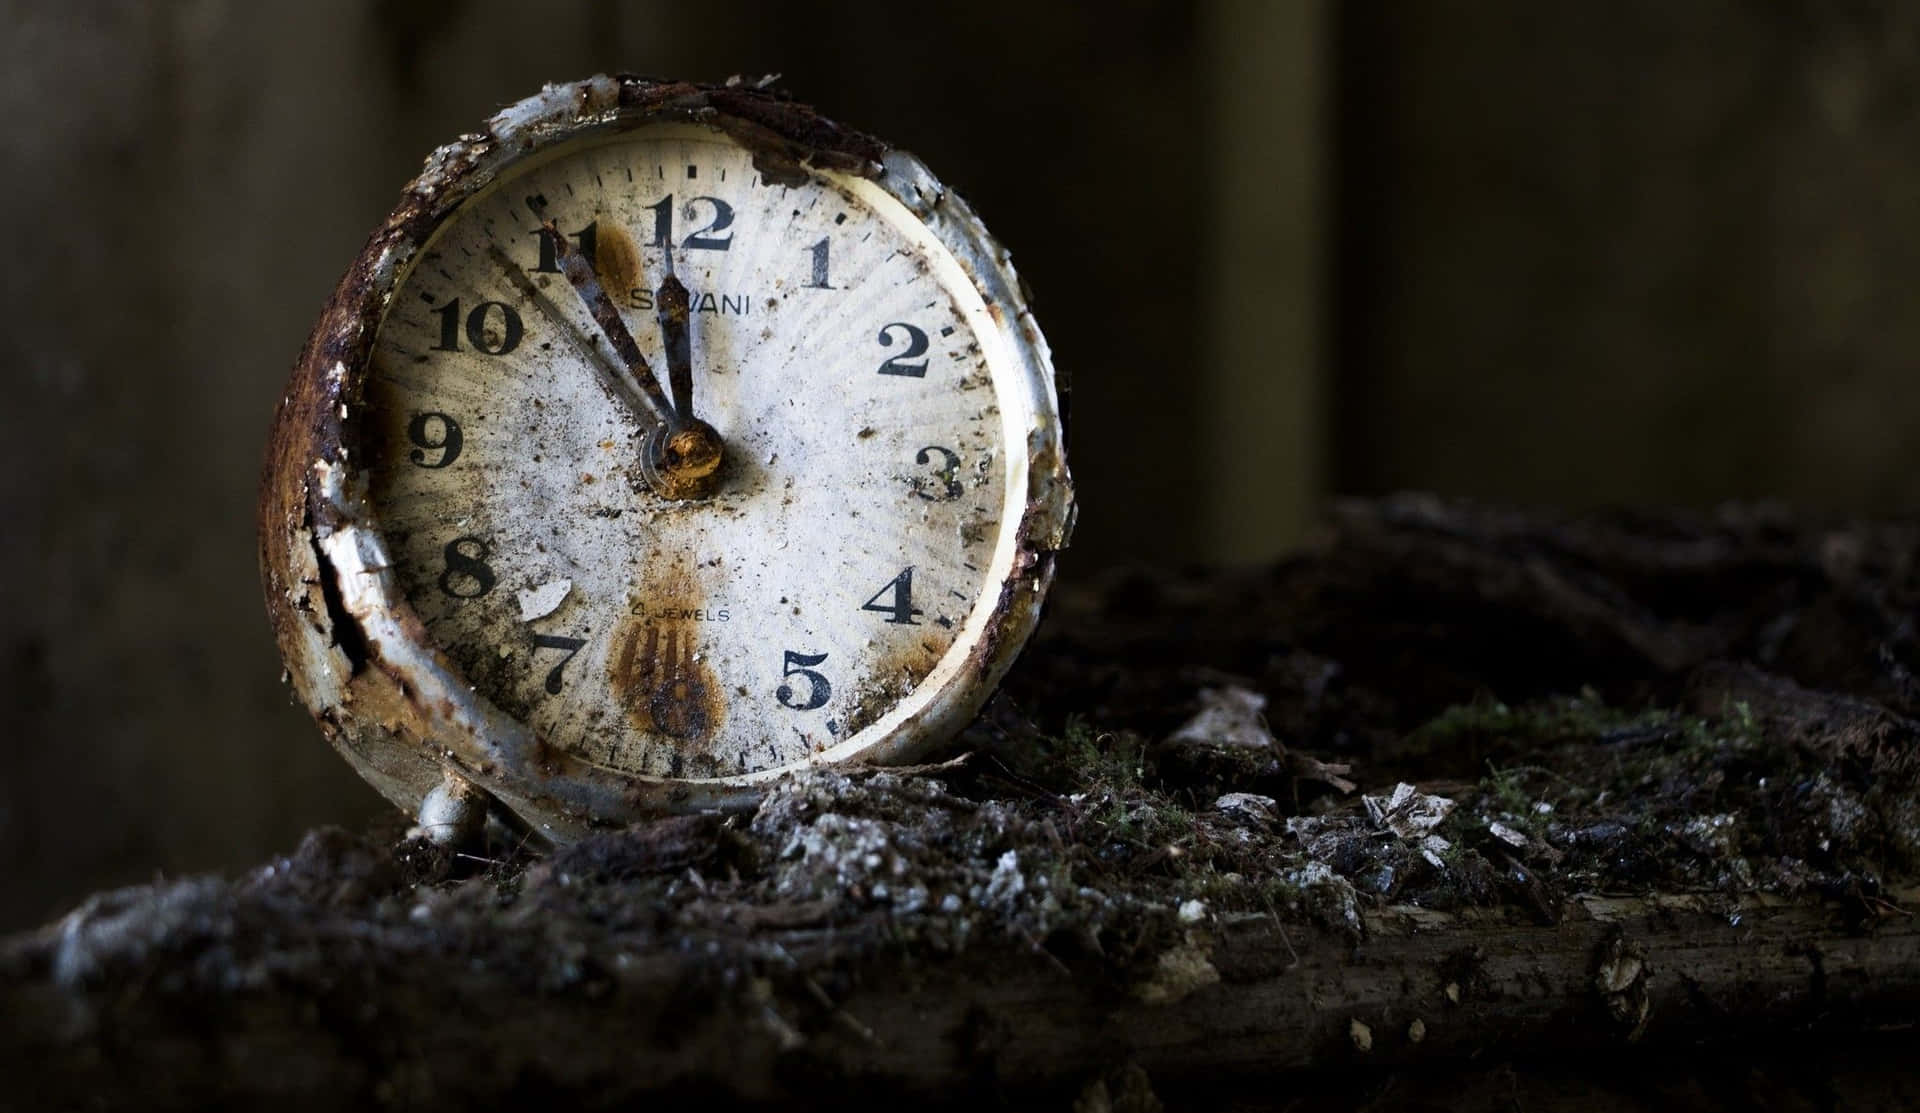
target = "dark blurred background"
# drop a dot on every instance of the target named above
(1640, 252)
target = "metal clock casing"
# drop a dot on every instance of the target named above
(385, 689)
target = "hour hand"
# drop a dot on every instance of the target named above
(585, 283)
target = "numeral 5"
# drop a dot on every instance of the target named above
(799, 664)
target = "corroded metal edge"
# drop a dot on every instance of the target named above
(396, 708)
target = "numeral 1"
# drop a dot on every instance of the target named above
(819, 253)
(584, 241)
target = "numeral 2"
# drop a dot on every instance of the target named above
(904, 363)
(818, 690)
(901, 610)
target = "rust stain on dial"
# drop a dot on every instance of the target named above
(616, 260)
(893, 675)
(658, 667)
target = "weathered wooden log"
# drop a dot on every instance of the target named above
(1662, 795)
(154, 998)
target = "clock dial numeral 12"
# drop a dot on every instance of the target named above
(706, 237)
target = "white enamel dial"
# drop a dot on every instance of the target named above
(853, 546)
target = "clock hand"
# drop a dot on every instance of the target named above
(671, 306)
(580, 276)
(618, 379)
(683, 458)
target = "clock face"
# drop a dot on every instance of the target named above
(844, 557)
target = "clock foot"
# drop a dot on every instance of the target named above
(454, 813)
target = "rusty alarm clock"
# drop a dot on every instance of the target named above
(664, 439)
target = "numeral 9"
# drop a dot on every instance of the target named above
(421, 431)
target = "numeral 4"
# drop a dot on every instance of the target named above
(900, 610)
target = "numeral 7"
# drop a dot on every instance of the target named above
(555, 641)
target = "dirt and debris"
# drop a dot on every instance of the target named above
(1443, 728)
(1126, 1090)
(1620, 703)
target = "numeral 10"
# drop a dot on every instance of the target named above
(493, 344)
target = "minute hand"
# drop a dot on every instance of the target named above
(671, 306)
(580, 275)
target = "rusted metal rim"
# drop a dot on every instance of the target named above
(359, 658)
